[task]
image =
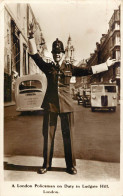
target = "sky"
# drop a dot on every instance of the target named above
(84, 20)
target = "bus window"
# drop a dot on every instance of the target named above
(30, 84)
(110, 89)
(97, 89)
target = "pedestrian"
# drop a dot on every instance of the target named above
(58, 102)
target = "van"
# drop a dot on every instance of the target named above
(104, 96)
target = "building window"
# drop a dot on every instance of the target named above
(15, 48)
(8, 41)
(101, 80)
(24, 60)
(8, 64)
(114, 54)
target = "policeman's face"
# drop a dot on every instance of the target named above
(57, 56)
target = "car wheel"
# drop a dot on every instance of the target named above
(92, 109)
(84, 105)
(114, 109)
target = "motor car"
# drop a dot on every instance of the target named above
(87, 97)
(80, 99)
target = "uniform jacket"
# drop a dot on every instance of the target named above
(57, 97)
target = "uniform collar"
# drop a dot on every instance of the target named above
(60, 63)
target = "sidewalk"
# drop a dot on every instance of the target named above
(6, 104)
(24, 168)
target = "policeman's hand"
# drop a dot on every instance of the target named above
(111, 62)
(31, 30)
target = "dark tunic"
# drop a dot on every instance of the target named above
(57, 97)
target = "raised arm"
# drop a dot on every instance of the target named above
(32, 49)
(36, 57)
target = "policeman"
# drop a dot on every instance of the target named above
(58, 102)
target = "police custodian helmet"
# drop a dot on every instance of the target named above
(57, 46)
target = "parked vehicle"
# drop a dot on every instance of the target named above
(29, 92)
(80, 99)
(104, 96)
(86, 97)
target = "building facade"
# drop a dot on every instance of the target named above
(17, 62)
(109, 47)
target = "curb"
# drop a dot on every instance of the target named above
(9, 104)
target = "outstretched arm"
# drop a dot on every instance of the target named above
(78, 71)
(104, 66)
(81, 71)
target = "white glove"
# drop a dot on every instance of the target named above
(111, 62)
(32, 49)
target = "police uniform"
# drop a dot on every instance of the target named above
(57, 101)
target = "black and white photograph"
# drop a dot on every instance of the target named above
(61, 100)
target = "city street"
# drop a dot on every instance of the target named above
(51, 51)
(96, 135)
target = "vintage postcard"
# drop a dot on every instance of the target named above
(61, 97)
